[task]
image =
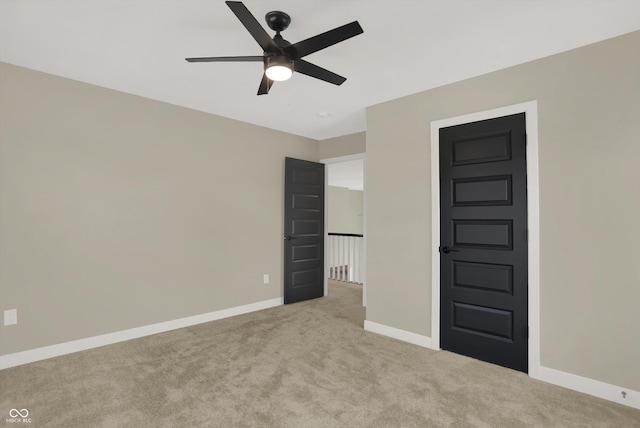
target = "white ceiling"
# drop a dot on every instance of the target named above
(139, 46)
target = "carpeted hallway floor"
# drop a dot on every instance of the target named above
(309, 364)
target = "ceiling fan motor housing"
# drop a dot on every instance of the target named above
(278, 67)
(278, 59)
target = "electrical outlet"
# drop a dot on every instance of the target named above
(10, 317)
(265, 278)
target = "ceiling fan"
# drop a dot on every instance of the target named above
(281, 58)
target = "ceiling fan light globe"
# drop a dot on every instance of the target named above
(278, 73)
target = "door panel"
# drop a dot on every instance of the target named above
(301, 253)
(481, 319)
(485, 147)
(483, 226)
(304, 227)
(482, 191)
(483, 276)
(494, 234)
(303, 230)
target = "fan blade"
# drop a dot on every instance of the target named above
(253, 27)
(265, 85)
(324, 40)
(305, 67)
(227, 59)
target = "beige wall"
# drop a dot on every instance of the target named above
(589, 151)
(344, 208)
(345, 145)
(118, 211)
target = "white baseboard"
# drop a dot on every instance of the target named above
(585, 385)
(590, 386)
(32, 355)
(396, 333)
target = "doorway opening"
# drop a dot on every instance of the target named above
(345, 217)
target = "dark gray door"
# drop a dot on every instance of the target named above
(303, 230)
(483, 249)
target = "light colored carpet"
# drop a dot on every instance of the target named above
(309, 364)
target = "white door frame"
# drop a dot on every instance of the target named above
(533, 218)
(341, 159)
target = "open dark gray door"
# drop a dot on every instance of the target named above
(303, 230)
(483, 253)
